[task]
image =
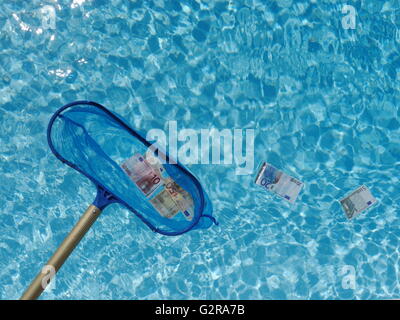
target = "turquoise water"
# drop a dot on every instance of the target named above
(323, 101)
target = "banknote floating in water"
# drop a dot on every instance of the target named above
(279, 182)
(358, 201)
(166, 196)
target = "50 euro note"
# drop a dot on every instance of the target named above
(278, 182)
(358, 201)
(166, 196)
(173, 199)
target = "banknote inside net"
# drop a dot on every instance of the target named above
(166, 196)
(279, 182)
(358, 201)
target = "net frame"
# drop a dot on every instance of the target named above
(105, 196)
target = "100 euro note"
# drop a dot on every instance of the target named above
(278, 182)
(358, 201)
(167, 197)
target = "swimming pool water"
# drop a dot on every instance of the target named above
(323, 101)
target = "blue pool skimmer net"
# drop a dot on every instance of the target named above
(126, 169)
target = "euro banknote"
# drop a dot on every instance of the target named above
(166, 196)
(278, 182)
(142, 173)
(358, 201)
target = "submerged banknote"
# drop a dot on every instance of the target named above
(173, 199)
(165, 204)
(358, 201)
(142, 173)
(166, 196)
(278, 182)
(182, 198)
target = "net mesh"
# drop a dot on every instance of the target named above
(116, 158)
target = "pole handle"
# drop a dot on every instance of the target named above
(64, 250)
